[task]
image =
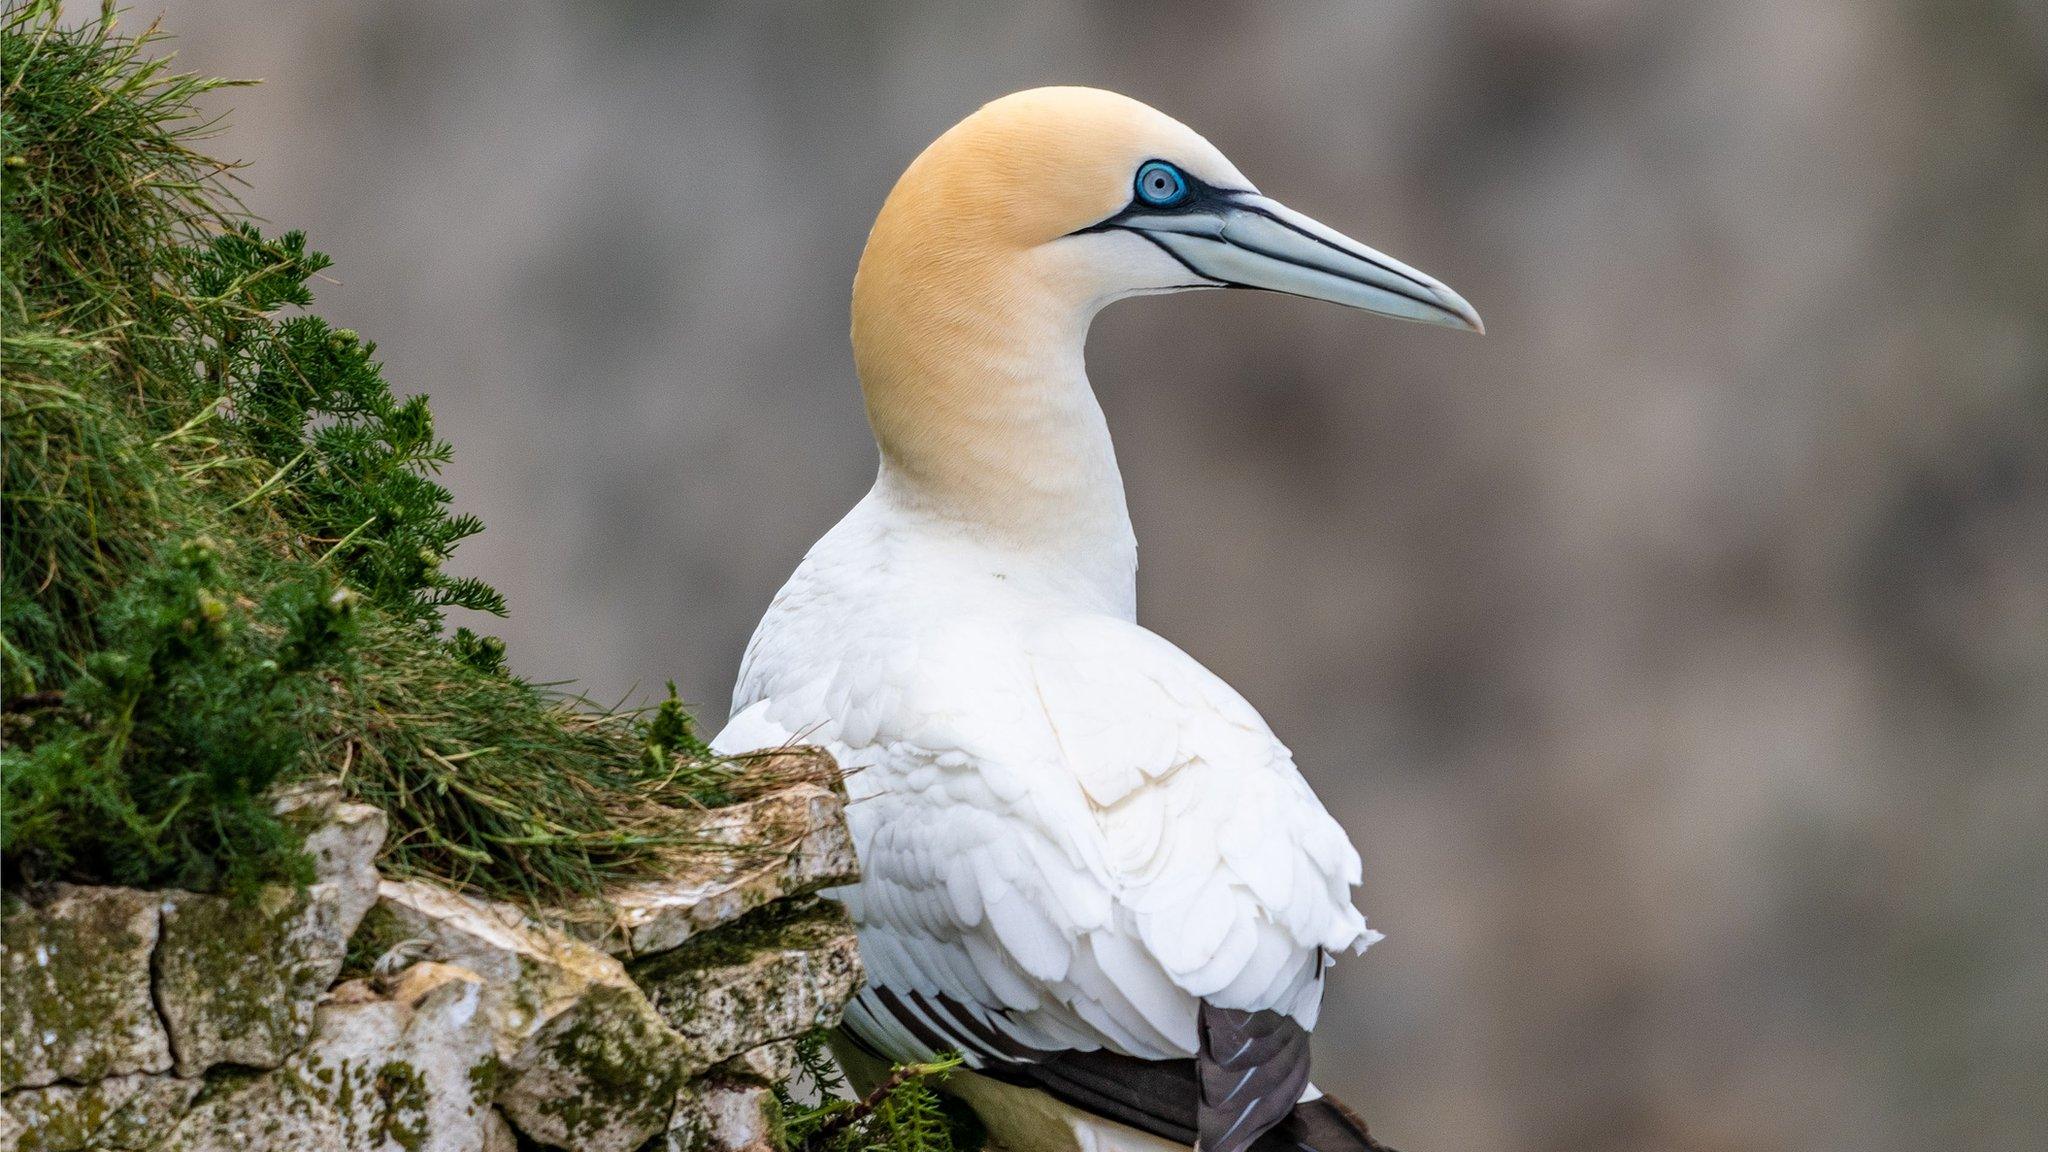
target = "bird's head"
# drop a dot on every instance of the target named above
(1093, 196)
(1001, 241)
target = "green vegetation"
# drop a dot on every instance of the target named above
(224, 545)
(904, 1113)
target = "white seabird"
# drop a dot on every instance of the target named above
(1087, 864)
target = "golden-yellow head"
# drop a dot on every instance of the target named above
(1031, 168)
(1001, 241)
(1064, 170)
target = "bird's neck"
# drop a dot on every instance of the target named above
(980, 401)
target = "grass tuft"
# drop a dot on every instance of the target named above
(224, 543)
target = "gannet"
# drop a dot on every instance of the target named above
(1088, 866)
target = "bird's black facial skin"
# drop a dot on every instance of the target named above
(1204, 199)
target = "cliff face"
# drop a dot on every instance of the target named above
(225, 569)
(372, 1012)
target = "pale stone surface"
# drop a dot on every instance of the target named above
(788, 843)
(407, 987)
(498, 1134)
(406, 1074)
(719, 1116)
(752, 984)
(791, 771)
(353, 992)
(76, 979)
(344, 849)
(237, 981)
(587, 1063)
(769, 1064)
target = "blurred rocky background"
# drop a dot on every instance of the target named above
(1677, 654)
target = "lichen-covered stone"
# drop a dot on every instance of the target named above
(717, 1115)
(479, 1022)
(788, 843)
(238, 980)
(585, 1061)
(771, 977)
(411, 1073)
(77, 988)
(603, 1076)
(769, 1064)
(117, 1114)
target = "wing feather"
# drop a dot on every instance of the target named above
(1070, 832)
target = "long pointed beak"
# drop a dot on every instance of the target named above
(1246, 240)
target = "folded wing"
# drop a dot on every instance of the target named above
(1074, 839)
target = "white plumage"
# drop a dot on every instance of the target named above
(1087, 863)
(1059, 815)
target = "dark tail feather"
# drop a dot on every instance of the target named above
(1321, 1125)
(1249, 1071)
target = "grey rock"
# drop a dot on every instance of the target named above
(721, 1116)
(117, 1113)
(411, 1073)
(771, 977)
(790, 842)
(498, 1133)
(586, 1062)
(238, 981)
(769, 1064)
(76, 974)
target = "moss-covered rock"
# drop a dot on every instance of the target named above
(77, 988)
(399, 1074)
(585, 1061)
(237, 980)
(602, 1076)
(774, 975)
(465, 1022)
(118, 1114)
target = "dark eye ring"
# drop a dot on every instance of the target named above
(1161, 184)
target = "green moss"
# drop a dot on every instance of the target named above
(340, 1086)
(633, 1069)
(799, 924)
(377, 933)
(485, 1078)
(403, 1103)
(81, 976)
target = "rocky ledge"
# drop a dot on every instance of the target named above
(369, 1012)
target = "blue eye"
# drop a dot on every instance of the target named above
(1161, 184)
